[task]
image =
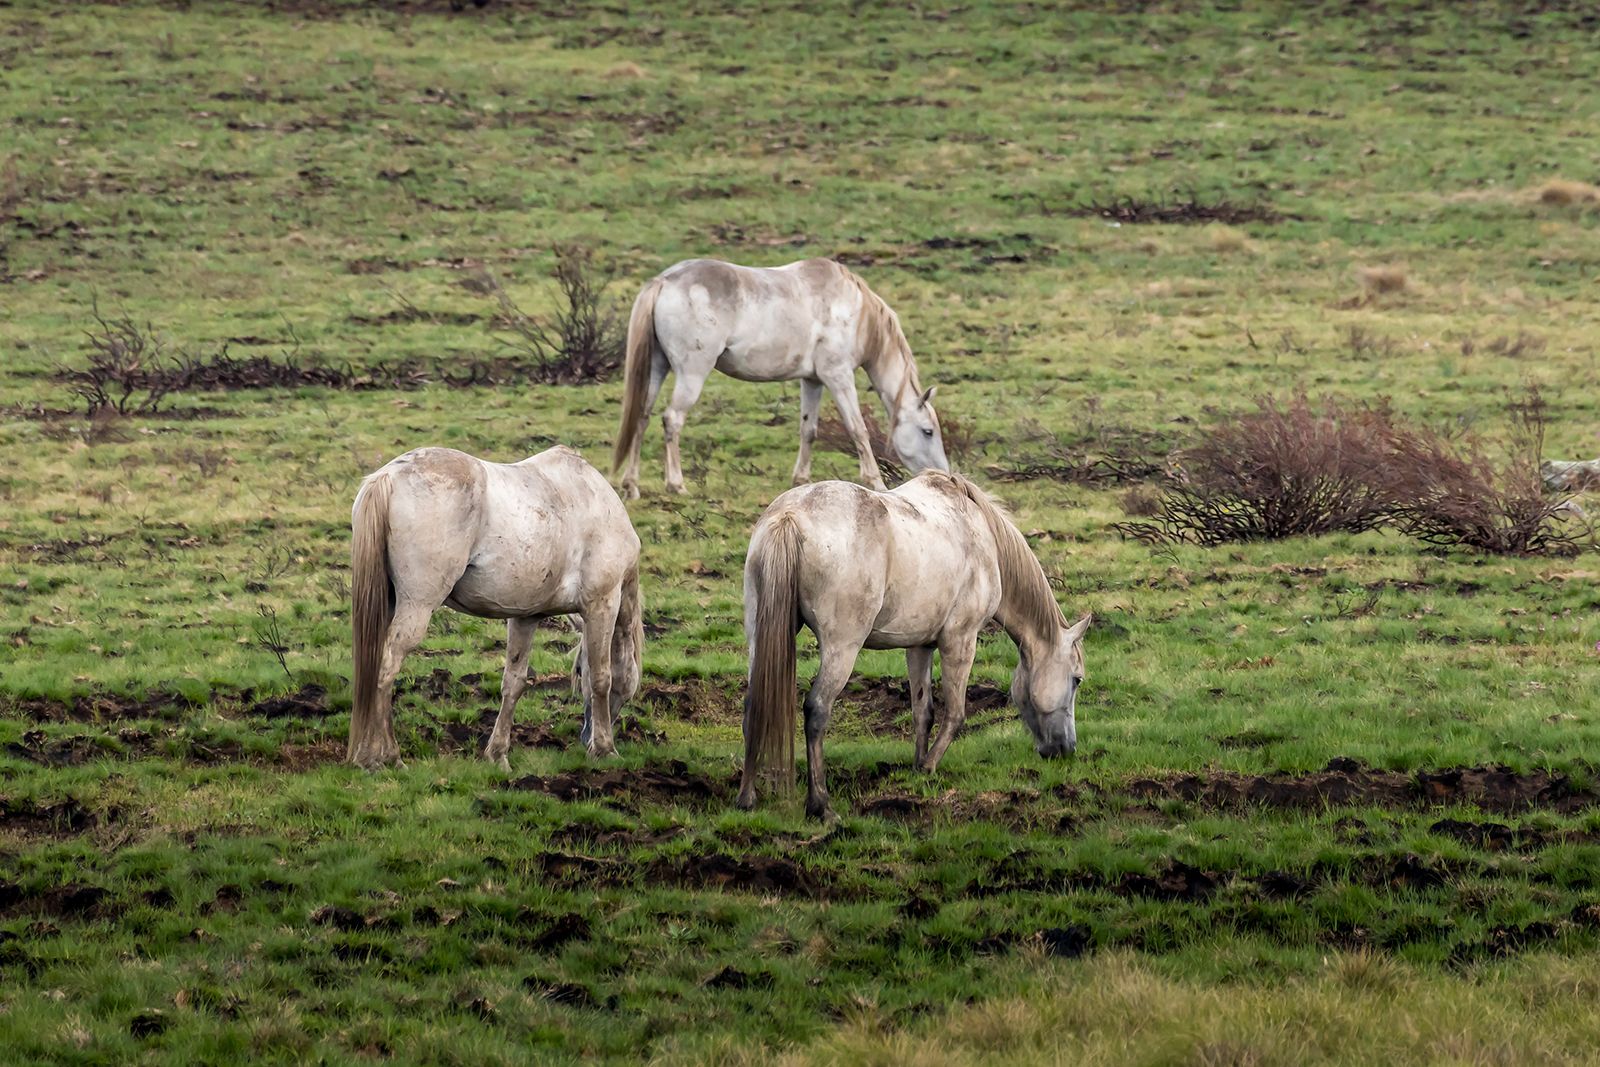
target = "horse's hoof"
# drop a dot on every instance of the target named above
(746, 801)
(630, 492)
(604, 751)
(821, 811)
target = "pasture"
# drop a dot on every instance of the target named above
(1334, 799)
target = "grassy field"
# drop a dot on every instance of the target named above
(1335, 800)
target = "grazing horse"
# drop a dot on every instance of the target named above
(814, 321)
(514, 541)
(921, 568)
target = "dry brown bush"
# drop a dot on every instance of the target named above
(1296, 468)
(958, 438)
(1283, 470)
(1451, 492)
(584, 339)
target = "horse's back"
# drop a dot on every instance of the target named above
(904, 565)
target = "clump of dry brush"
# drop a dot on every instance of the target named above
(1296, 467)
(582, 341)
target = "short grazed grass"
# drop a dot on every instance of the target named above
(1100, 231)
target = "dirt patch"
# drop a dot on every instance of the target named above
(694, 700)
(311, 702)
(133, 743)
(750, 874)
(69, 901)
(103, 707)
(671, 783)
(967, 252)
(62, 818)
(1181, 209)
(884, 701)
(1346, 782)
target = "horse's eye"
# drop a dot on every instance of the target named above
(927, 433)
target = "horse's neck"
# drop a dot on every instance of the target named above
(1023, 629)
(891, 372)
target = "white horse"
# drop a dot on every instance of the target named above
(921, 568)
(518, 541)
(814, 321)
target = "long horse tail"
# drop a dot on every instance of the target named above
(773, 578)
(372, 601)
(636, 371)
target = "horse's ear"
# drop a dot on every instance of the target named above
(1076, 631)
(927, 396)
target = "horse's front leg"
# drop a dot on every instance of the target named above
(599, 622)
(836, 660)
(956, 658)
(919, 670)
(810, 408)
(843, 391)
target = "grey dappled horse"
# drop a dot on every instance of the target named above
(514, 541)
(921, 568)
(813, 321)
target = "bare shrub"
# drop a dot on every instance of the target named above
(833, 435)
(1364, 344)
(1284, 470)
(959, 443)
(127, 372)
(1102, 454)
(1451, 492)
(1523, 344)
(1141, 502)
(584, 339)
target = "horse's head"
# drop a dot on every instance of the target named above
(916, 437)
(1045, 690)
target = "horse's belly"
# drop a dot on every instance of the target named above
(509, 596)
(764, 365)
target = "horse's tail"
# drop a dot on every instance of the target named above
(772, 577)
(636, 372)
(372, 601)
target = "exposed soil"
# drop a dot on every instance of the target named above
(62, 818)
(967, 252)
(695, 701)
(68, 901)
(311, 702)
(672, 783)
(103, 707)
(1184, 209)
(1346, 782)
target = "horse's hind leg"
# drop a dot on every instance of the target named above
(837, 659)
(519, 643)
(685, 391)
(919, 670)
(599, 621)
(658, 374)
(406, 631)
(955, 657)
(810, 407)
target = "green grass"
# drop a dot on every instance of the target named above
(280, 181)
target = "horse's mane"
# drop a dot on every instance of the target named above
(878, 331)
(1023, 585)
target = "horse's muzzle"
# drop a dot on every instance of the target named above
(1056, 749)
